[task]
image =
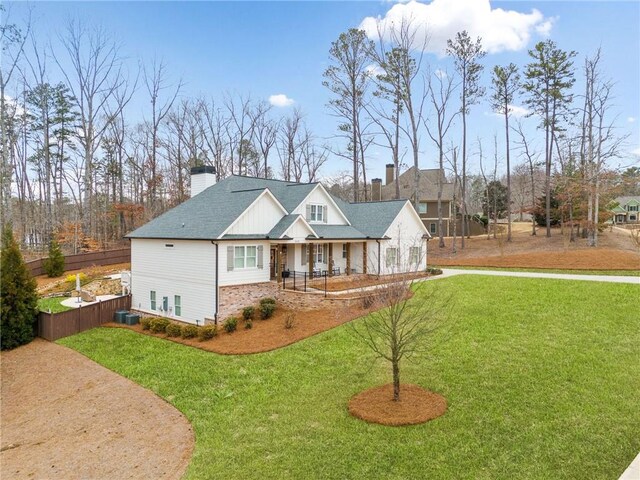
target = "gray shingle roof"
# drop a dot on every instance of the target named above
(337, 232)
(207, 215)
(282, 226)
(371, 218)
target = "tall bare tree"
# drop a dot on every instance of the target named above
(347, 79)
(467, 55)
(441, 88)
(505, 82)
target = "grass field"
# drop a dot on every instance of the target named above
(52, 304)
(542, 379)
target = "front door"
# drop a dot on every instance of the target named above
(272, 263)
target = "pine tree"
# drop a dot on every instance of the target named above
(19, 309)
(54, 264)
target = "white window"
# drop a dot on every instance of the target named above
(152, 298)
(245, 257)
(344, 250)
(422, 208)
(432, 228)
(632, 218)
(633, 208)
(177, 305)
(318, 253)
(392, 257)
(414, 255)
(317, 213)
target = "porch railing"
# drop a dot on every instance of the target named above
(302, 281)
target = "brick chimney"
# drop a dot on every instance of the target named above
(391, 173)
(202, 178)
(376, 189)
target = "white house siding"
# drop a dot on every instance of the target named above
(243, 276)
(186, 269)
(320, 197)
(259, 218)
(406, 231)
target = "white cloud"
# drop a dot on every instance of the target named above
(515, 111)
(374, 70)
(440, 20)
(631, 119)
(281, 100)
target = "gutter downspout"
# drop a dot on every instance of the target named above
(378, 242)
(215, 315)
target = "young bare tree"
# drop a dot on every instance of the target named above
(467, 55)
(403, 326)
(440, 94)
(266, 133)
(505, 82)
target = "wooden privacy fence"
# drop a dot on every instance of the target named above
(83, 260)
(52, 326)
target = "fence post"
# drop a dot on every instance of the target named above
(294, 280)
(325, 284)
(305, 281)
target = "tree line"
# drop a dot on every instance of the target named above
(74, 166)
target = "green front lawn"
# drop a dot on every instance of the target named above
(53, 304)
(542, 379)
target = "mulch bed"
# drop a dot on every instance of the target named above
(582, 259)
(416, 405)
(268, 334)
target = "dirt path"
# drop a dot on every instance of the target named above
(64, 417)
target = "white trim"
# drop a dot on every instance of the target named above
(415, 215)
(306, 224)
(319, 185)
(258, 198)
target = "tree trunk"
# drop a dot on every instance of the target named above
(396, 380)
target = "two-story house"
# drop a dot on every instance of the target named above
(627, 210)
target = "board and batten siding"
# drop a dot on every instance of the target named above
(319, 197)
(259, 218)
(405, 231)
(243, 276)
(186, 269)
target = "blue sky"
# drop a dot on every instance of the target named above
(267, 48)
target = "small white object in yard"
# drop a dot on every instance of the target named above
(78, 287)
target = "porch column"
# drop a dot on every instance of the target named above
(364, 257)
(310, 259)
(278, 260)
(348, 258)
(330, 264)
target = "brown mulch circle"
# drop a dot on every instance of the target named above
(270, 334)
(416, 405)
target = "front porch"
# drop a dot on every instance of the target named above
(316, 259)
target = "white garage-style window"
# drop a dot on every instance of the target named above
(245, 256)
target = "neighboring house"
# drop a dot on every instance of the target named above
(428, 201)
(245, 231)
(627, 210)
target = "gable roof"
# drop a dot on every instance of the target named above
(627, 199)
(208, 215)
(428, 185)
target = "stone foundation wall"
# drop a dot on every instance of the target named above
(234, 298)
